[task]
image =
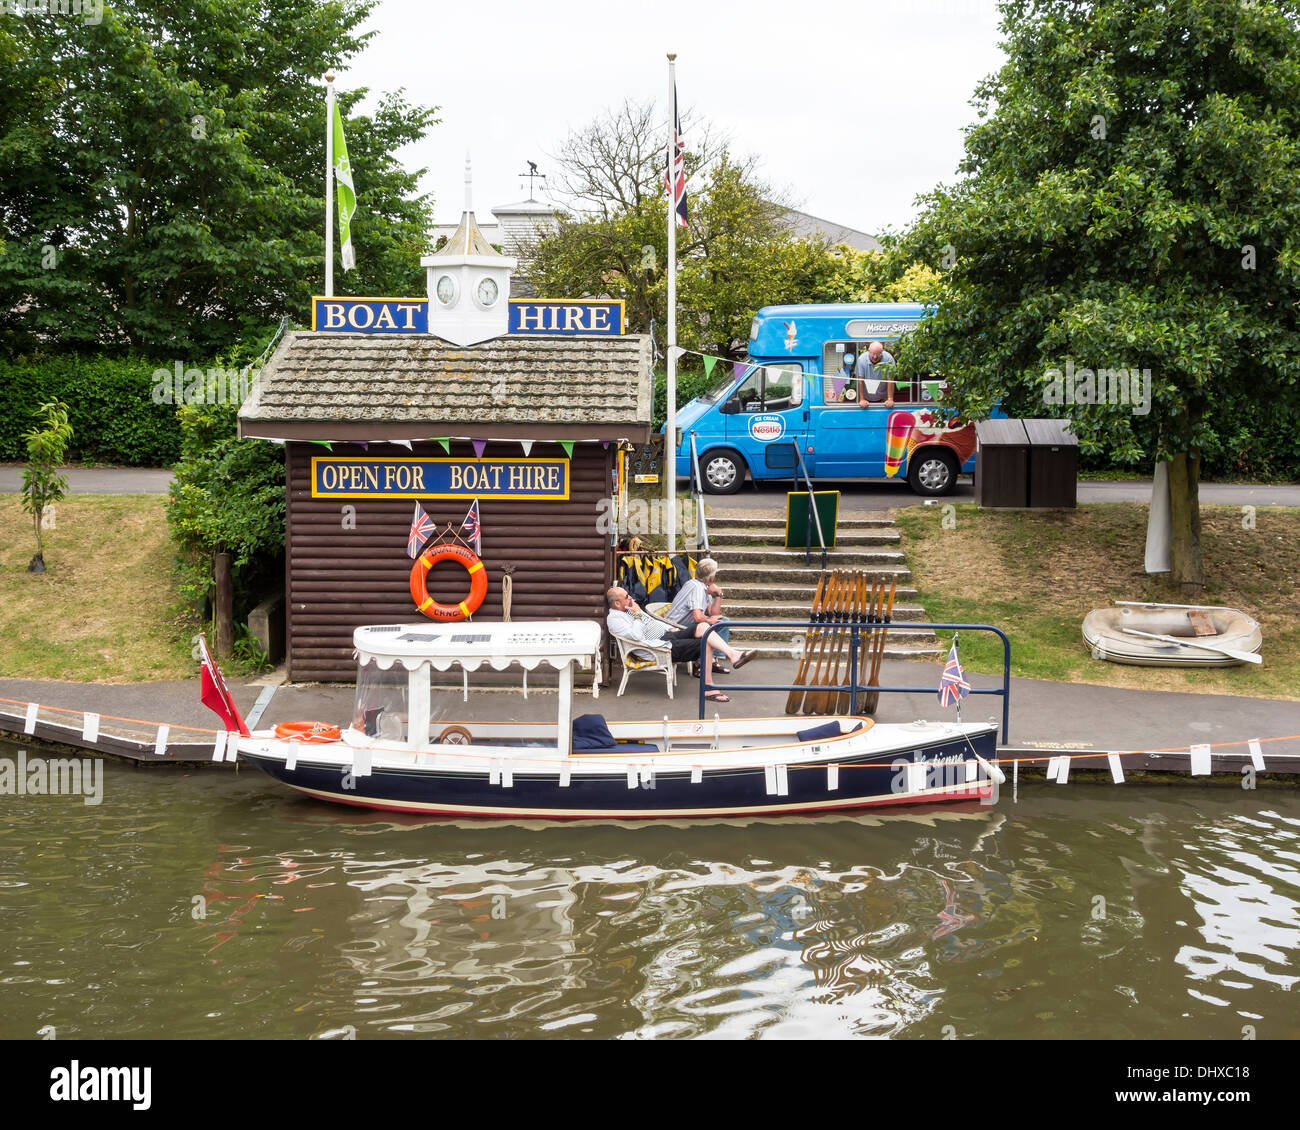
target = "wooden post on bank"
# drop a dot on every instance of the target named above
(224, 606)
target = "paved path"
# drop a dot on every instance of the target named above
(859, 497)
(855, 496)
(1043, 714)
(96, 480)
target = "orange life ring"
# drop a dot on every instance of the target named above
(307, 732)
(420, 577)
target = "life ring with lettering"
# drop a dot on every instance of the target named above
(314, 732)
(478, 584)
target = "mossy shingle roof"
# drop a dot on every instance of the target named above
(408, 382)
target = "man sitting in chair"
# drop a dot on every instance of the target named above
(627, 620)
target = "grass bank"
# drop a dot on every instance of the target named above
(103, 612)
(1037, 574)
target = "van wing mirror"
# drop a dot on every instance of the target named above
(730, 407)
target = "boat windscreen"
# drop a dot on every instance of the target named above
(381, 704)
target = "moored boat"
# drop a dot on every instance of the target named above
(403, 752)
(1195, 635)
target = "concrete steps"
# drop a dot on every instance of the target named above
(765, 581)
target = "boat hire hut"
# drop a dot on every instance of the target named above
(398, 416)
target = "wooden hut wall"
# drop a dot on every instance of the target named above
(338, 579)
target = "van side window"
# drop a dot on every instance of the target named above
(771, 388)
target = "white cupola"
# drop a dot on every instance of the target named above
(468, 283)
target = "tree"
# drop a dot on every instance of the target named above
(225, 509)
(736, 255)
(1130, 202)
(47, 448)
(164, 183)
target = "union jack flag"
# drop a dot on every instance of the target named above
(953, 686)
(472, 529)
(421, 531)
(675, 175)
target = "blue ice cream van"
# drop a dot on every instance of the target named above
(810, 380)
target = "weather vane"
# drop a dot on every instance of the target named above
(532, 175)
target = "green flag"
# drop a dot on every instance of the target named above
(709, 362)
(346, 194)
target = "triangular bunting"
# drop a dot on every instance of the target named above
(709, 362)
(567, 444)
(445, 441)
(406, 443)
(479, 446)
(324, 443)
(527, 445)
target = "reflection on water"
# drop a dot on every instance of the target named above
(211, 904)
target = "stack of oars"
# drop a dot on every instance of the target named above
(844, 597)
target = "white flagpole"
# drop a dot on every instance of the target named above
(670, 430)
(329, 184)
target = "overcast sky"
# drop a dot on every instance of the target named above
(853, 107)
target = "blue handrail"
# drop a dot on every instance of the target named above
(855, 631)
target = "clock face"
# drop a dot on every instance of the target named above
(487, 292)
(446, 289)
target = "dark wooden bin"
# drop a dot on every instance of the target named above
(1001, 463)
(1053, 463)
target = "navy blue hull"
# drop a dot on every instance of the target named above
(863, 781)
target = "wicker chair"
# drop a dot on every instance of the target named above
(662, 660)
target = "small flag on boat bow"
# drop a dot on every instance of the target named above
(214, 694)
(953, 686)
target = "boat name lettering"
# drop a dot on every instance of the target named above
(342, 477)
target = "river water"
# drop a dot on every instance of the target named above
(214, 904)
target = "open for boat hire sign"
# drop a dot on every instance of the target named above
(539, 480)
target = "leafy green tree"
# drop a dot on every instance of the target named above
(47, 449)
(1130, 200)
(164, 173)
(227, 497)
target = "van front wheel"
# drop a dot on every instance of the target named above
(932, 472)
(722, 472)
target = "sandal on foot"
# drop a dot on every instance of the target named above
(717, 696)
(745, 657)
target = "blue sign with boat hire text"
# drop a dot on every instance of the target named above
(566, 317)
(371, 315)
(531, 317)
(370, 477)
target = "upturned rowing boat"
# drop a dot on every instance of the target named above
(1195, 635)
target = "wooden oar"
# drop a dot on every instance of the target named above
(796, 696)
(855, 616)
(812, 701)
(819, 643)
(879, 652)
(867, 640)
(827, 699)
(1240, 656)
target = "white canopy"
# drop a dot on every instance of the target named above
(472, 644)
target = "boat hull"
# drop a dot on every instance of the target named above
(946, 771)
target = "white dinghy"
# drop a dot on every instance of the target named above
(1172, 635)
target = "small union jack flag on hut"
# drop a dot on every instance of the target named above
(472, 530)
(421, 531)
(953, 686)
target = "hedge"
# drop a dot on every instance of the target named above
(110, 406)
